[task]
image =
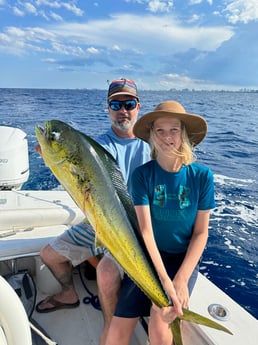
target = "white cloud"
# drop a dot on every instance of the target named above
(48, 3)
(68, 5)
(116, 48)
(195, 18)
(43, 14)
(177, 79)
(159, 6)
(170, 81)
(24, 41)
(15, 33)
(242, 11)
(169, 42)
(68, 50)
(30, 8)
(195, 2)
(71, 7)
(4, 38)
(93, 50)
(156, 34)
(18, 12)
(55, 16)
(41, 7)
(49, 60)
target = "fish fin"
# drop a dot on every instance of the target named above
(191, 316)
(176, 331)
(98, 243)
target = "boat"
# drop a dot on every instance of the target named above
(28, 220)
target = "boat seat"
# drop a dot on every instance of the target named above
(29, 219)
(29, 209)
(28, 242)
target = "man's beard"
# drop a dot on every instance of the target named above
(124, 125)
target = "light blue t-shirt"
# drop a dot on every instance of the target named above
(128, 153)
(174, 199)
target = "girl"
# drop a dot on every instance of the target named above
(173, 196)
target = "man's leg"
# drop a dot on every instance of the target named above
(60, 256)
(61, 268)
(109, 281)
(94, 260)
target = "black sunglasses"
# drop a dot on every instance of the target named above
(130, 104)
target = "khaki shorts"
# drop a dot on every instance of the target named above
(65, 246)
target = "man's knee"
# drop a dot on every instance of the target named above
(48, 255)
(107, 272)
(44, 253)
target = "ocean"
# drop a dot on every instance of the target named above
(230, 150)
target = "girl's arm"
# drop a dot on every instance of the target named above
(193, 255)
(144, 219)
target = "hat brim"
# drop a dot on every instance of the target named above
(196, 126)
(122, 93)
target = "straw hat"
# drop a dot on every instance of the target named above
(196, 126)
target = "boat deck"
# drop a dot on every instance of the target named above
(79, 326)
(83, 325)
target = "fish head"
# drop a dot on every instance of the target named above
(62, 149)
(58, 142)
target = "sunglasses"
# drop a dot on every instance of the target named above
(130, 104)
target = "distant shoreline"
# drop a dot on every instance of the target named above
(242, 90)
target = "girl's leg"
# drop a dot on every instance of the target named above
(121, 330)
(159, 331)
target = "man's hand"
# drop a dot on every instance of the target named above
(37, 148)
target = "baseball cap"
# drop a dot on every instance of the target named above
(122, 86)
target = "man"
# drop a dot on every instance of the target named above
(77, 244)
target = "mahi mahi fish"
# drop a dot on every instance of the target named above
(92, 178)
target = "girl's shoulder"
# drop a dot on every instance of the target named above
(200, 170)
(198, 166)
(147, 165)
(144, 168)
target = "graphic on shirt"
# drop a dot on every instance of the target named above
(184, 196)
(161, 196)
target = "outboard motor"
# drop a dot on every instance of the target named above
(14, 158)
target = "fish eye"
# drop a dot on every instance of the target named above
(56, 135)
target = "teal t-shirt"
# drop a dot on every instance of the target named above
(174, 199)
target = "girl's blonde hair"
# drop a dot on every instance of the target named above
(185, 152)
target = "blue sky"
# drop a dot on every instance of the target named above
(201, 44)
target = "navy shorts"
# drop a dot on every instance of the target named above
(132, 301)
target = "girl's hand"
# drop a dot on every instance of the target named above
(167, 314)
(182, 292)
